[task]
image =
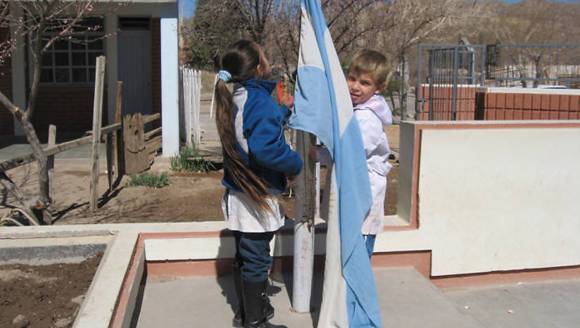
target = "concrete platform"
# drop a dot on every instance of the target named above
(530, 305)
(407, 300)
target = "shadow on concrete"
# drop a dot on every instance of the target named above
(223, 268)
(283, 273)
(224, 273)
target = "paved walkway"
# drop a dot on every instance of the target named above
(210, 140)
(207, 302)
(407, 301)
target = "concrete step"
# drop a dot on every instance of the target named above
(407, 300)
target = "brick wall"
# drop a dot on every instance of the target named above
(70, 108)
(473, 104)
(443, 105)
(527, 106)
(6, 121)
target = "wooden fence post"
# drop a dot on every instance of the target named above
(109, 155)
(97, 117)
(304, 226)
(50, 160)
(118, 144)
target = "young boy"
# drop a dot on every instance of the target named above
(367, 75)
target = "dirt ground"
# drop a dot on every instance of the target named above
(46, 296)
(189, 197)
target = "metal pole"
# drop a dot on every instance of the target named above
(304, 227)
(455, 73)
(402, 89)
(430, 81)
(418, 94)
(483, 68)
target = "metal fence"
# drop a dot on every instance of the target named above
(448, 76)
(533, 65)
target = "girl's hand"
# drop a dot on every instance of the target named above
(284, 98)
(288, 101)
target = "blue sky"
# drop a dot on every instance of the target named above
(186, 7)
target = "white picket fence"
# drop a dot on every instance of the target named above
(191, 80)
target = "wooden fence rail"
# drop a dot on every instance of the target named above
(130, 149)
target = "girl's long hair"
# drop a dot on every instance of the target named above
(241, 61)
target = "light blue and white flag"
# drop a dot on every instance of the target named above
(323, 108)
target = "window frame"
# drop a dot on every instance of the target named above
(85, 40)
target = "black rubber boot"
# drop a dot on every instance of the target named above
(258, 309)
(238, 320)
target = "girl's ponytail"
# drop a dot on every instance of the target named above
(240, 173)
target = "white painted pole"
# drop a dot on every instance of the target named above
(304, 227)
(170, 85)
(212, 97)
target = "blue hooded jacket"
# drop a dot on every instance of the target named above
(259, 125)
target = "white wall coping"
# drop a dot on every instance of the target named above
(483, 124)
(536, 91)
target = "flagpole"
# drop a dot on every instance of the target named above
(304, 226)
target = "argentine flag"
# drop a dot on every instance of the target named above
(323, 108)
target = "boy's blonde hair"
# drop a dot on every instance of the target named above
(372, 62)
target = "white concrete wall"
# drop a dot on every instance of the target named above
(496, 198)
(407, 138)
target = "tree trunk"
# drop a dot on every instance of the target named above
(41, 161)
(37, 151)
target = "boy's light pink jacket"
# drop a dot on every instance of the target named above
(371, 116)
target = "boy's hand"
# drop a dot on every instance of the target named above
(314, 153)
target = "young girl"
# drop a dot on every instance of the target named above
(257, 162)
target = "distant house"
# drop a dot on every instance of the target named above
(142, 51)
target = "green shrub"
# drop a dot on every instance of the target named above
(190, 160)
(150, 180)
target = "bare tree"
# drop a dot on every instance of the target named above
(215, 25)
(410, 22)
(257, 17)
(349, 23)
(534, 22)
(37, 25)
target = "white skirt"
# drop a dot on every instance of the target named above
(241, 213)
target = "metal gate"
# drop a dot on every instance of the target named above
(448, 77)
